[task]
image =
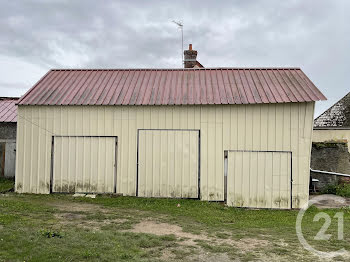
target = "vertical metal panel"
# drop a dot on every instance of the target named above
(7, 157)
(168, 163)
(245, 189)
(84, 164)
(10, 159)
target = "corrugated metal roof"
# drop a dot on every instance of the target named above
(8, 109)
(172, 87)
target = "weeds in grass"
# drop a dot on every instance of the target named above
(181, 254)
(222, 235)
(50, 233)
(248, 256)
(214, 247)
(168, 238)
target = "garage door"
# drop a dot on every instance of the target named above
(168, 163)
(259, 179)
(84, 164)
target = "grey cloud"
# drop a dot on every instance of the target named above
(7, 88)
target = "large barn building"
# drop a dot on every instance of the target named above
(170, 133)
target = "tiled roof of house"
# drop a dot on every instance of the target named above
(337, 115)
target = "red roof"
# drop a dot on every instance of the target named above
(8, 109)
(172, 87)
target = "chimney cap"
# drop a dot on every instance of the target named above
(190, 47)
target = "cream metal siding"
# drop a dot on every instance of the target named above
(331, 135)
(84, 164)
(260, 127)
(168, 163)
(259, 179)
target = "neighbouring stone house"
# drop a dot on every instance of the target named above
(330, 150)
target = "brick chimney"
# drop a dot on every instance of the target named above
(190, 58)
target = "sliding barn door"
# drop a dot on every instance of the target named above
(259, 179)
(168, 163)
(84, 164)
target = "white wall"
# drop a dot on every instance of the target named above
(331, 135)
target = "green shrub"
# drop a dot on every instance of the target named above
(343, 190)
(50, 233)
(339, 190)
(330, 189)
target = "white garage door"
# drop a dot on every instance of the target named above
(84, 164)
(259, 179)
(168, 163)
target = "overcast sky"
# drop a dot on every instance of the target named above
(36, 36)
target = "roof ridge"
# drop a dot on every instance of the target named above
(174, 69)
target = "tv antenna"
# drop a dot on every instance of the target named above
(181, 26)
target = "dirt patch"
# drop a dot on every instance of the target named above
(167, 255)
(330, 201)
(249, 244)
(194, 254)
(153, 227)
(78, 207)
(76, 214)
(80, 220)
(160, 229)
(97, 225)
(282, 243)
(207, 257)
(70, 216)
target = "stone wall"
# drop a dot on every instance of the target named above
(8, 130)
(333, 157)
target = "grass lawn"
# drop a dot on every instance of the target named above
(63, 228)
(6, 185)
